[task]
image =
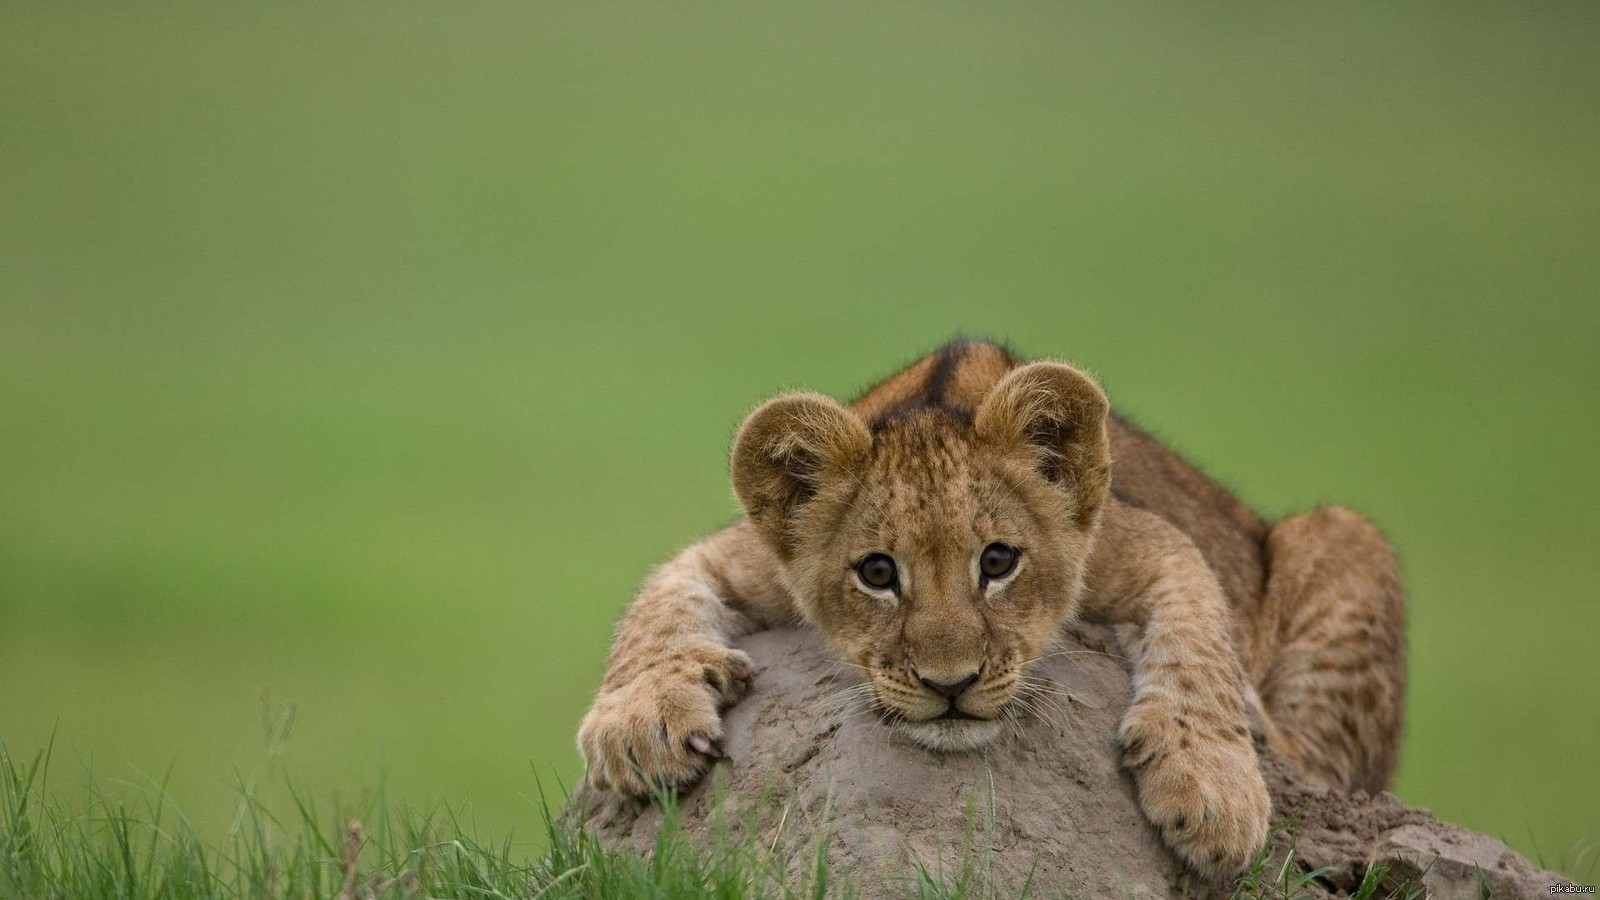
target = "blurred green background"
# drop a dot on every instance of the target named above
(369, 356)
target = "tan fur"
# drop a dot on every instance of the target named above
(968, 447)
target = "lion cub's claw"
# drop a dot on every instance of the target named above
(699, 743)
(732, 678)
(1200, 786)
(663, 728)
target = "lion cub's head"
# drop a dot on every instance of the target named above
(940, 548)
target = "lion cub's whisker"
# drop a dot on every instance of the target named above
(1046, 692)
(1074, 653)
(859, 693)
(1031, 701)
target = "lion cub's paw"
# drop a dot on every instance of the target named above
(664, 726)
(1200, 784)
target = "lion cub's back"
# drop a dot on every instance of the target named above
(1146, 474)
(954, 377)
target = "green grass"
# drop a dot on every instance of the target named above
(368, 356)
(108, 844)
(1283, 876)
(138, 846)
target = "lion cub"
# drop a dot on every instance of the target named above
(940, 531)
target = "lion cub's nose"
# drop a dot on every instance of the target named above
(950, 689)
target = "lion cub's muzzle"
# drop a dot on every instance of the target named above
(946, 714)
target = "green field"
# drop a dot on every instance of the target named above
(365, 359)
(135, 845)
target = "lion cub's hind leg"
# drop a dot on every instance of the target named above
(1327, 653)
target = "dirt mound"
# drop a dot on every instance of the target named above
(1047, 802)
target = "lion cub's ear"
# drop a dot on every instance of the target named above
(786, 452)
(1059, 415)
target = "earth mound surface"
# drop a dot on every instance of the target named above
(1046, 805)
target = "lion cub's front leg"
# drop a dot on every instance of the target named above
(1186, 736)
(657, 718)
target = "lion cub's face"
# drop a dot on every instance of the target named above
(950, 568)
(939, 550)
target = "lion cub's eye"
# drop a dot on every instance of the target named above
(998, 560)
(877, 572)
